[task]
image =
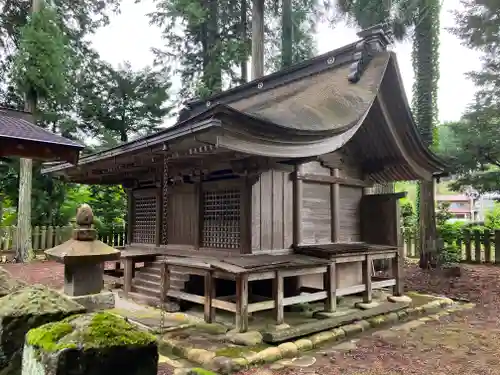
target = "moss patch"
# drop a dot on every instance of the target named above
(201, 371)
(99, 330)
(37, 300)
(239, 351)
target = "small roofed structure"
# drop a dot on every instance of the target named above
(267, 187)
(20, 137)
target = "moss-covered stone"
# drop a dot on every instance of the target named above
(288, 349)
(269, 355)
(200, 356)
(377, 321)
(200, 371)
(320, 338)
(303, 344)
(8, 284)
(91, 344)
(352, 329)
(24, 309)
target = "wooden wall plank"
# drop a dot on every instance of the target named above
(287, 210)
(317, 215)
(183, 215)
(350, 199)
(256, 215)
(277, 213)
(266, 210)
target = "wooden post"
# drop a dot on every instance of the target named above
(335, 207)
(278, 294)
(477, 246)
(242, 303)
(397, 273)
(298, 193)
(487, 246)
(130, 215)
(330, 285)
(367, 279)
(158, 217)
(257, 39)
(164, 282)
(209, 296)
(128, 275)
(468, 246)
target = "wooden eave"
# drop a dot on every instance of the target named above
(20, 137)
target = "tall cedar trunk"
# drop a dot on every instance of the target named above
(25, 182)
(286, 34)
(1, 209)
(257, 39)
(243, 35)
(213, 74)
(426, 57)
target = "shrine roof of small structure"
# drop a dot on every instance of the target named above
(19, 137)
(350, 98)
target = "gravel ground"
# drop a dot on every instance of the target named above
(466, 343)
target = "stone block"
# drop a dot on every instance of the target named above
(23, 310)
(269, 355)
(303, 344)
(250, 338)
(366, 305)
(405, 299)
(321, 337)
(96, 302)
(90, 344)
(8, 284)
(288, 349)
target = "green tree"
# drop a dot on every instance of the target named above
(476, 154)
(123, 102)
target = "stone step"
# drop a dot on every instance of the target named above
(174, 284)
(147, 291)
(171, 306)
(148, 274)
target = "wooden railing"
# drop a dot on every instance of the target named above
(474, 246)
(44, 238)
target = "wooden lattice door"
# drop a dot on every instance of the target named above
(145, 216)
(221, 215)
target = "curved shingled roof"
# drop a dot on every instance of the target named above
(351, 98)
(20, 137)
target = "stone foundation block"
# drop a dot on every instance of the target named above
(8, 284)
(406, 299)
(304, 344)
(288, 349)
(90, 344)
(96, 302)
(23, 310)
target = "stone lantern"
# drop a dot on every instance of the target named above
(83, 257)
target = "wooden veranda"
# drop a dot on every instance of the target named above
(245, 269)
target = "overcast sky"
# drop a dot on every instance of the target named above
(130, 37)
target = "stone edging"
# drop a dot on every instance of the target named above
(433, 310)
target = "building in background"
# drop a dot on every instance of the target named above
(461, 206)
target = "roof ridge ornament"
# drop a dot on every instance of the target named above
(374, 39)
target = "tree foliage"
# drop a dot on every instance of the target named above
(474, 150)
(125, 102)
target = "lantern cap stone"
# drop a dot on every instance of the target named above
(84, 247)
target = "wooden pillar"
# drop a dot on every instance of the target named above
(128, 275)
(335, 207)
(209, 296)
(330, 286)
(164, 282)
(298, 193)
(130, 216)
(257, 39)
(158, 219)
(367, 279)
(242, 303)
(397, 273)
(278, 294)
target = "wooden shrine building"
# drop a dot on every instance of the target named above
(268, 184)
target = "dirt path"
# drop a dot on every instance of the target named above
(464, 343)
